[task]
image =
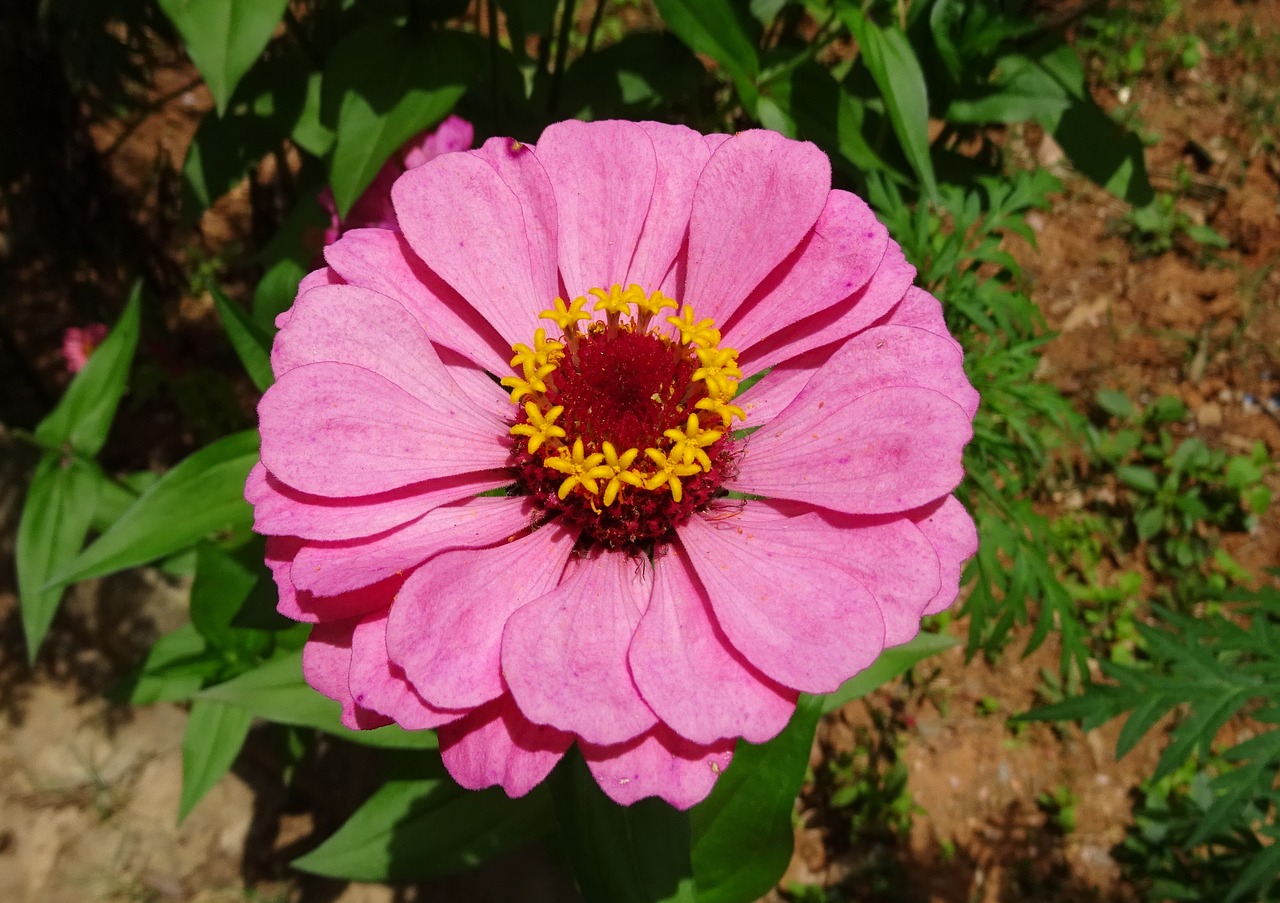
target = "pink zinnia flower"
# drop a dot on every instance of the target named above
(672, 561)
(373, 208)
(79, 342)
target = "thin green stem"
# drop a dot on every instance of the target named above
(562, 54)
(491, 8)
(595, 24)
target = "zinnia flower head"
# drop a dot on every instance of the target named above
(373, 208)
(78, 342)
(510, 473)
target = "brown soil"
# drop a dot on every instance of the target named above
(88, 800)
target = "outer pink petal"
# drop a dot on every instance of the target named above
(331, 568)
(303, 606)
(660, 764)
(565, 655)
(603, 174)
(770, 395)
(496, 745)
(881, 453)
(782, 598)
(341, 431)
(950, 528)
(834, 261)
(839, 321)
(520, 170)
(350, 325)
(681, 155)
(447, 624)
(279, 510)
(689, 674)
(379, 685)
(452, 134)
(468, 226)
(326, 662)
(382, 261)
(314, 279)
(758, 196)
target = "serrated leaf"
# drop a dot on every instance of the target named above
(742, 835)
(215, 733)
(892, 662)
(715, 28)
(60, 505)
(381, 87)
(620, 854)
(277, 691)
(251, 342)
(83, 416)
(893, 65)
(203, 494)
(410, 830)
(224, 37)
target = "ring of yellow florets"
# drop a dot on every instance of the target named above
(623, 426)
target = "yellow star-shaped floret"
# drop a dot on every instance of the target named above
(619, 472)
(579, 468)
(539, 427)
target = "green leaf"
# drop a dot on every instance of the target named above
(381, 87)
(1142, 479)
(203, 494)
(1102, 150)
(154, 681)
(309, 133)
(215, 732)
(275, 293)
(620, 854)
(717, 29)
(84, 415)
(60, 505)
(224, 37)
(251, 342)
(892, 662)
(1115, 403)
(277, 691)
(228, 145)
(223, 581)
(636, 76)
(742, 836)
(410, 830)
(893, 66)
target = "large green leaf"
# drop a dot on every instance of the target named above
(224, 37)
(892, 63)
(223, 581)
(742, 837)
(203, 494)
(382, 85)
(640, 74)
(59, 508)
(215, 732)
(167, 674)
(411, 829)
(718, 29)
(251, 342)
(83, 417)
(277, 691)
(893, 661)
(621, 854)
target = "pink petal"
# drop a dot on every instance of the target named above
(303, 606)
(841, 445)
(771, 394)
(834, 261)
(564, 655)
(447, 624)
(496, 745)
(452, 134)
(949, 527)
(339, 430)
(326, 662)
(279, 510)
(314, 279)
(382, 261)
(467, 226)
(379, 685)
(331, 568)
(688, 673)
(758, 196)
(658, 763)
(681, 155)
(839, 321)
(920, 309)
(347, 324)
(783, 599)
(603, 174)
(519, 168)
